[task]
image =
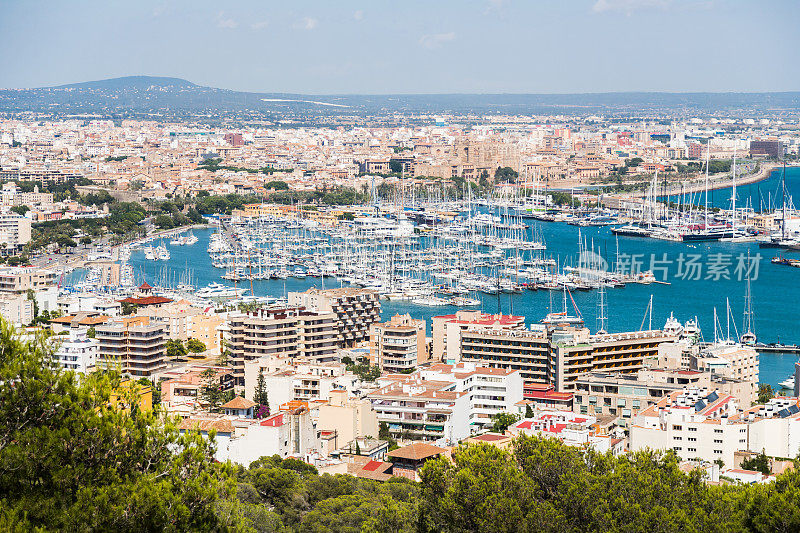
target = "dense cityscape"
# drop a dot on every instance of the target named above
(278, 311)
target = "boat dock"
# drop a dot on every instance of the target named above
(777, 348)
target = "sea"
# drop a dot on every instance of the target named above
(699, 281)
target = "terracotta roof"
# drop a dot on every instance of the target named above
(491, 437)
(145, 286)
(205, 424)
(416, 451)
(147, 300)
(239, 403)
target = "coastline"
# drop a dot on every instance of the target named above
(723, 182)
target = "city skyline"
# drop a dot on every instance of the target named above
(497, 46)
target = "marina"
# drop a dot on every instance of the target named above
(404, 264)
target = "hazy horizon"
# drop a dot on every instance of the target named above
(418, 47)
(688, 92)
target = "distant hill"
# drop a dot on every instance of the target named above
(164, 98)
(129, 82)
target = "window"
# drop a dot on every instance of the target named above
(692, 449)
(692, 439)
(677, 428)
(717, 441)
(717, 431)
(692, 429)
(677, 448)
(718, 452)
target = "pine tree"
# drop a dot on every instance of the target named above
(261, 396)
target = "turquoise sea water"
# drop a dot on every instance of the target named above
(775, 288)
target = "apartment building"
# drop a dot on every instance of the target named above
(184, 321)
(20, 279)
(134, 343)
(422, 410)
(348, 417)
(15, 232)
(559, 355)
(398, 345)
(695, 423)
(731, 360)
(774, 428)
(512, 349)
(356, 309)
(570, 428)
(625, 395)
(446, 331)
(77, 351)
(40, 175)
(10, 196)
(445, 403)
(181, 389)
(490, 391)
(575, 352)
(243, 440)
(289, 332)
(16, 308)
(288, 378)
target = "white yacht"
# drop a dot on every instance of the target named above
(220, 291)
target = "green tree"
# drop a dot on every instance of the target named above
(175, 349)
(128, 308)
(261, 395)
(86, 241)
(501, 421)
(277, 185)
(211, 391)
(195, 346)
(528, 411)
(91, 332)
(164, 222)
(70, 461)
(20, 209)
(765, 393)
(505, 175)
(774, 506)
(759, 463)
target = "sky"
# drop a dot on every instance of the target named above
(409, 46)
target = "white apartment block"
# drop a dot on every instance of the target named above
(78, 352)
(490, 391)
(774, 428)
(15, 231)
(570, 428)
(445, 403)
(302, 379)
(16, 308)
(696, 423)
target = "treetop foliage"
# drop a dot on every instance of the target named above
(72, 460)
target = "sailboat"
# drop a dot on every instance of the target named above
(748, 337)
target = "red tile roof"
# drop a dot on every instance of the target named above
(146, 300)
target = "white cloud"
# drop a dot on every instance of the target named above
(627, 6)
(435, 40)
(259, 25)
(306, 23)
(358, 15)
(226, 22)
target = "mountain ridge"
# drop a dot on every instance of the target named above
(136, 81)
